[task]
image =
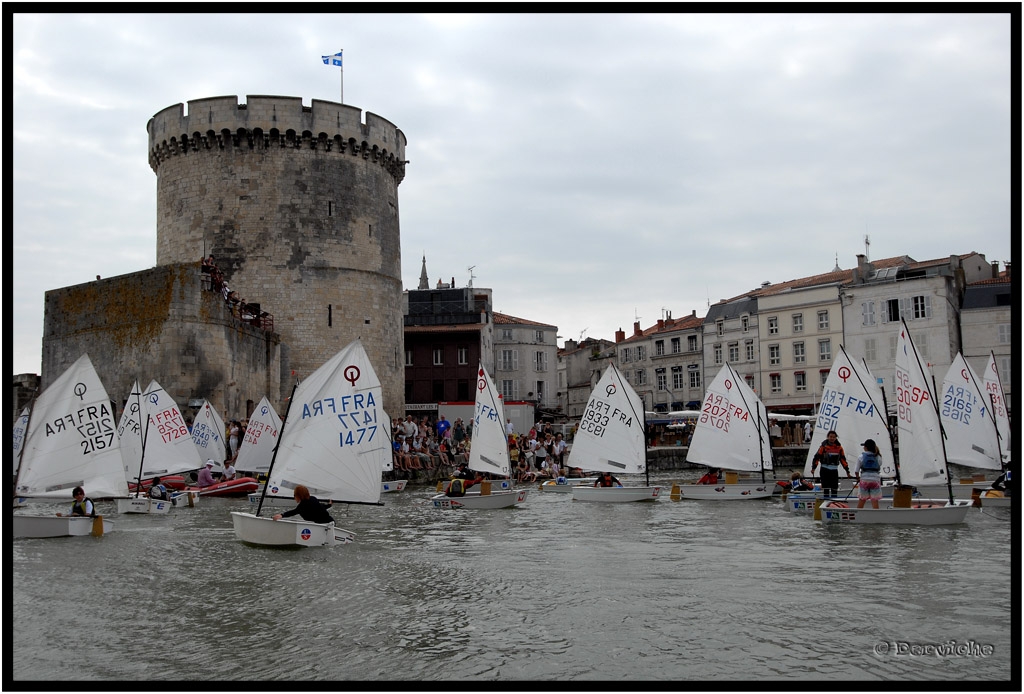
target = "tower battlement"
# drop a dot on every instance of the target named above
(220, 122)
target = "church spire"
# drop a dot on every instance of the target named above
(424, 283)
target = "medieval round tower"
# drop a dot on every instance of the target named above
(299, 206)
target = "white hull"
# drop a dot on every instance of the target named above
(960, 491)
(143, 504)
(185, 499)
(740, 491)
(994, 501)
(567, 486)
(615, 495)
(502, 485)
(920, 512)
(500, 499)
(803, 502)
(395, 486)
(60, 526)
(264, 530)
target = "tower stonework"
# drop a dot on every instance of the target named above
(299, 206)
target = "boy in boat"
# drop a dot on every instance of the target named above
(710, 477)
(799, 484)
(158, 490)
(81, 506)
(461, 481)
(309, 507)
(831, 455)
(607, 480)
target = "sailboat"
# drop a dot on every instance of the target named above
(489, 453)
(922, 455)
(994, 393)
(972, 435)
(208, 436)
(611, 438)
(154, 443)
(852, 405)
(731, 433)
(332, 442)
(256, 451)
(70, 441)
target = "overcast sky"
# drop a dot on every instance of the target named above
(592, 168)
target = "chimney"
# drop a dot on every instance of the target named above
(569, 345)
(693, 313)
(636, 329)
(620, 335)
(661, 324)
(995, 269)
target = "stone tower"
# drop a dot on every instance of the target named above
(299, 206)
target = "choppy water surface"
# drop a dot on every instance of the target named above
(554, 590)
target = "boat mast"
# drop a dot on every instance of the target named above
(935, 404)
(760, 441)
(640, 418)
(892, 440)
(992, 409)
(145, 435)
(942, 438)
(277, 445)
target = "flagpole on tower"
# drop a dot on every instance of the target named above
(336, 61)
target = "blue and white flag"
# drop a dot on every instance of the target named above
(333, 59)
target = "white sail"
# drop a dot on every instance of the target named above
(129, 432)
(853, 407)
(610, 436)
(20, 427)
(72, 439)
(389, 461)
(967, 419)
(994, 395)
(728, 433)
(922, 460)
(333, 441)
(208, 434)
(257, 447)
(164, 444)
(489, 452)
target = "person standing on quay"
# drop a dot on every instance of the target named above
(830, 455)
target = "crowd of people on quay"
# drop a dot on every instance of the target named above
(244, 311)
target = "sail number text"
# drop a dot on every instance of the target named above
(599, 414)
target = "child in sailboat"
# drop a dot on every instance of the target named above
(868, 470)
(81, 506)
(309, 507)
(607, 480)
(710, 477)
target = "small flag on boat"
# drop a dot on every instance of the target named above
(334, 60)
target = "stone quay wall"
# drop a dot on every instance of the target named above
(162, 324)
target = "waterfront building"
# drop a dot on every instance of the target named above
(928, 295)
(525, 361)
(449, 332)
(664, 362)
(577, 364)
(985, 325)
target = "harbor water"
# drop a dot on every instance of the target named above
(554, 590)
